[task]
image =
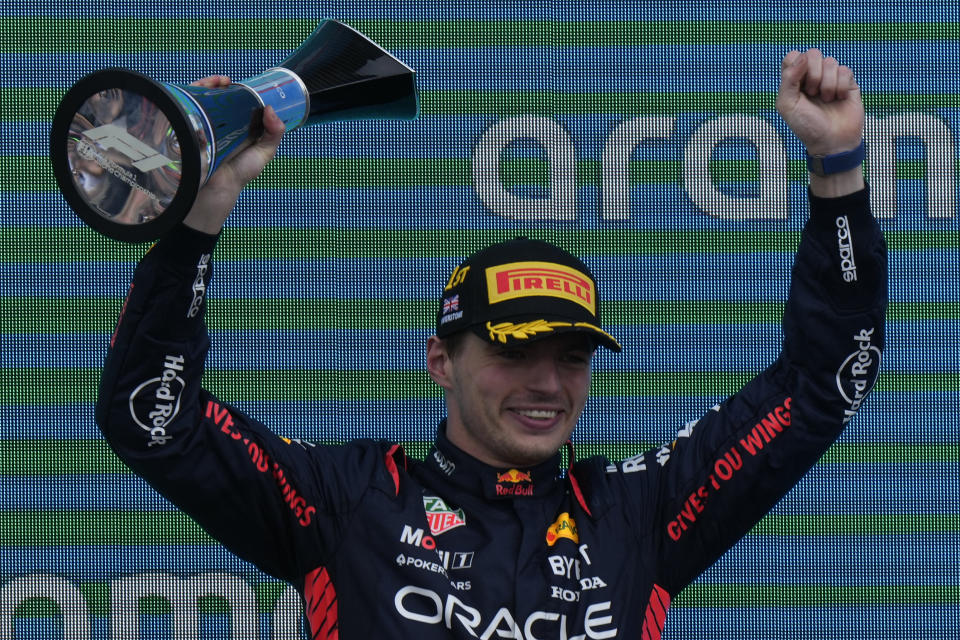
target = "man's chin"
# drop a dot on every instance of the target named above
(531, 450)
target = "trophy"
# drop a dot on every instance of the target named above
(130, 153)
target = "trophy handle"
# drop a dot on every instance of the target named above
(350, 77)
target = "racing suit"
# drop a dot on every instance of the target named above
(384, 546)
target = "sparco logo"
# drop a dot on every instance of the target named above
(858, 373)
(845, 246)
(199, 286)
(164, 392)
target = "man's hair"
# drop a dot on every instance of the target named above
(454, 342)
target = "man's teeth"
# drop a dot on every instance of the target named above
(538, 414)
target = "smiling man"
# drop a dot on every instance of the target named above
(523, 334)
(491, 536)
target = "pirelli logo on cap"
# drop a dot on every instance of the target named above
(526, 279)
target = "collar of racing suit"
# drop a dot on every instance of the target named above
(469, 474)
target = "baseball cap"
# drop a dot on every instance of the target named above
(521, 290)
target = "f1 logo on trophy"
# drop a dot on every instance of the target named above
(130, 153)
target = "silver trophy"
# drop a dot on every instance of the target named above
(130, 153)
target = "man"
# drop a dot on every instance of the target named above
(488, 537)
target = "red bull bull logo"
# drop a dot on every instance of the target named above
(514, 483)
(514, 476)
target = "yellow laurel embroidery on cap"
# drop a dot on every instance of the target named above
(523, 330)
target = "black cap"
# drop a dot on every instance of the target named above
(521, 290)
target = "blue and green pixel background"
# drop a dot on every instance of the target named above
(329, 271)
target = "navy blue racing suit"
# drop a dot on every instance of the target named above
(384, 546)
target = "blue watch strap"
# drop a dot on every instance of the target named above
(837, 162)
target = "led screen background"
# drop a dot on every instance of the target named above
(641, 136)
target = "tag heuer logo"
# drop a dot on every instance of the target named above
(440, 517)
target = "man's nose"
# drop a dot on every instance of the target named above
(545, 376)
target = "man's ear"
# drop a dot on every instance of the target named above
(439, 362)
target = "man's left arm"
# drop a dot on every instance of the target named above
(725, 472)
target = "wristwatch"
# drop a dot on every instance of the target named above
(837, 162)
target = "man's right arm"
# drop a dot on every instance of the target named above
(220, 467)
(246, 486)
